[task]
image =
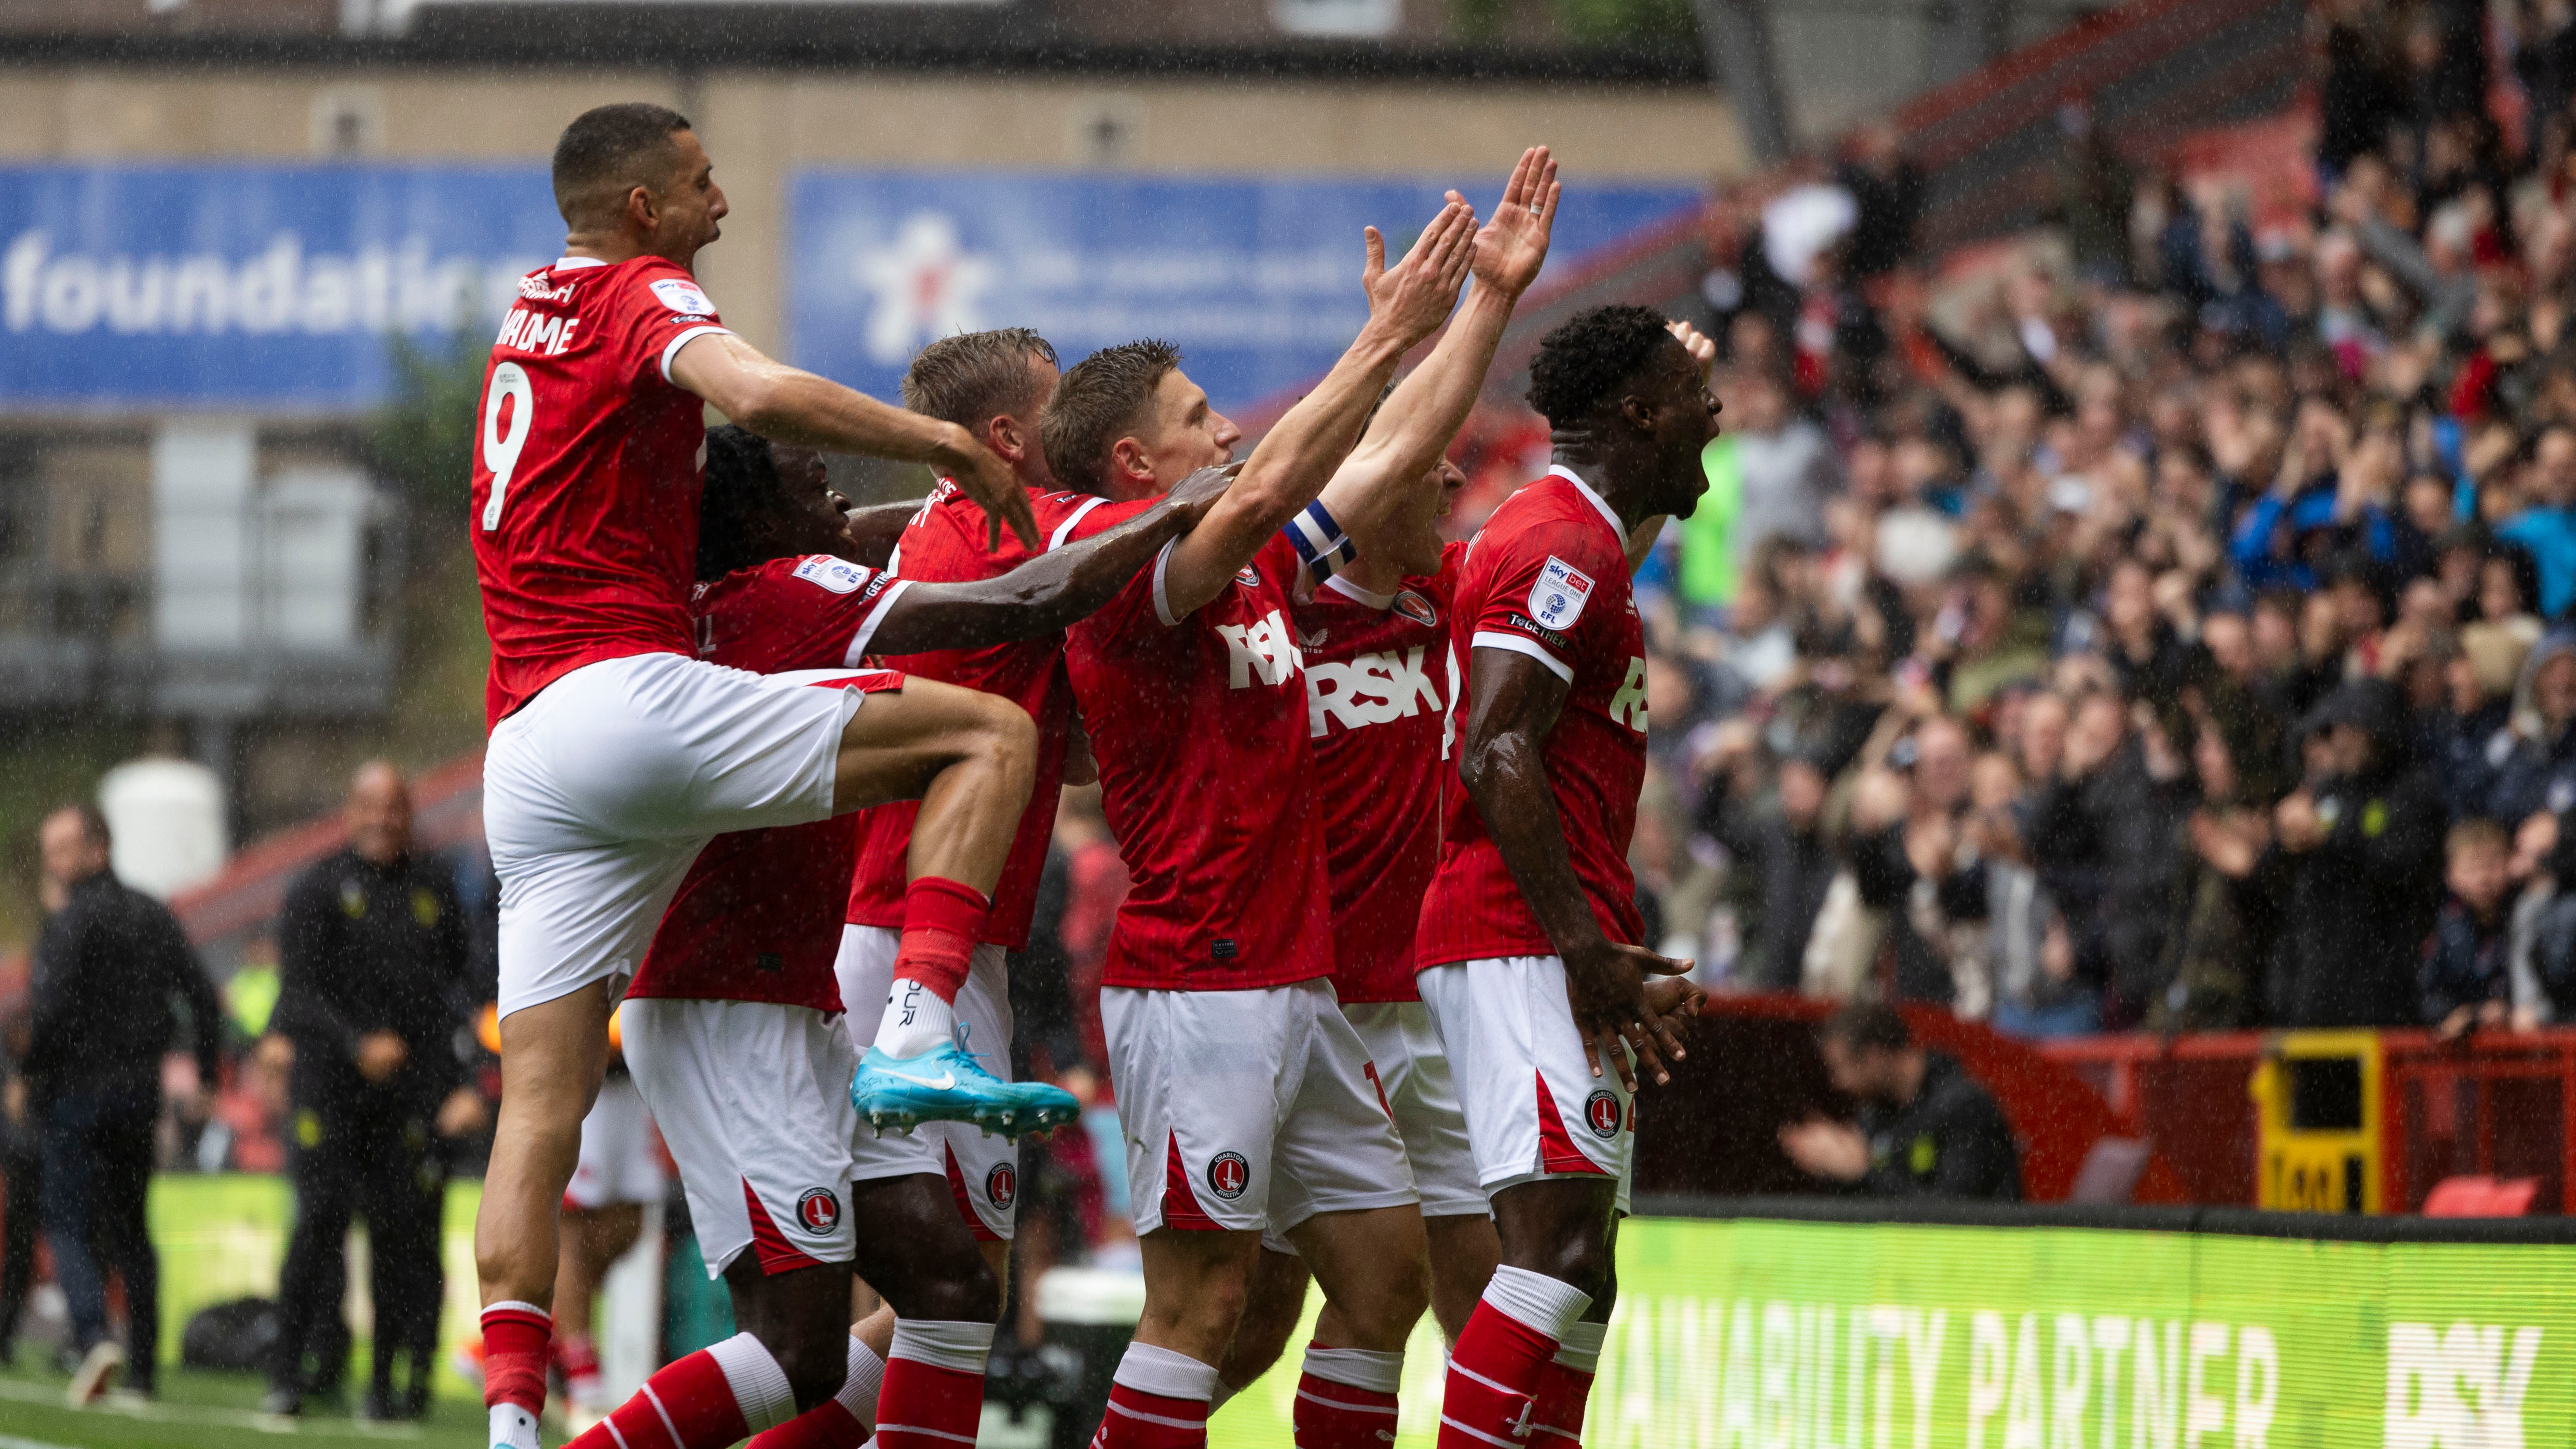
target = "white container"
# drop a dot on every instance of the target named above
(167, 820)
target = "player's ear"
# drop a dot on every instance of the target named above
(1127, 458)
(1637, 412)
(1006, 438)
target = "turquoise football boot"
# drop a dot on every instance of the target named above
(949, 1085)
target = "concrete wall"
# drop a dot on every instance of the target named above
(762, 126)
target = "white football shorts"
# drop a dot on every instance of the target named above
(983, 1171)
(599, 792)
(1248, 1109)
(1412, 1071)
(753, 1099)
(1524, 1075)
(618, 1161)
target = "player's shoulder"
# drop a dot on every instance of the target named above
(652, 284)
(796, 574)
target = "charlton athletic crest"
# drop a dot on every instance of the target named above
(818, 1209)
(1002, 1184)
(1601, 1114)
(1417, 608)
(1228, 1175)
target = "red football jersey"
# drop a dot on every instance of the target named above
(1377, 689)
(1547, 577)
(1206, 778)
(944, 543)
(759, 916)
(587, 463)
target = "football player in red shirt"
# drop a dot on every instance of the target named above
(615, 753)
(1529, 937)
(993, 384)
(739, 976)
(1242, 1091)
(1375, 646)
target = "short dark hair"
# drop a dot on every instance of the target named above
(1864, 1025)
(742, 485)
(610, 148)
(974, 377)
(1094, 404)
(2475, 833)
(93, 820)
(1588, 359)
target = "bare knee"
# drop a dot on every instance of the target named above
(1005, 736)
(968, 1291)
(816, 1366)
(1382, 1307)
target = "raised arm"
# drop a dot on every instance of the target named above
(1513, 704)
(1424, 413)
(1049, 591)
(1407, 302)
(790, 405)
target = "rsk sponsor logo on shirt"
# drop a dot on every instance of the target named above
(1556, 600)
(1370, 689)
(683, 296)
(1628, 706)
(840, 576)
(531, 332)
(1264, 648)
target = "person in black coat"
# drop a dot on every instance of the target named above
(109, 966)
(374, 964)
(1925, 1128)
(2362, 842)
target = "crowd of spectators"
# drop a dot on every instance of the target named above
(2165, 627)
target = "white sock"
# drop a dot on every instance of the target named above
(1165, 1373)
(759, 1385)
(959, 1347)
(915, 1020)
(859, 1391)
(513, 1427)
(1537, 1300)
(1580, 1348)
(1375, 1370)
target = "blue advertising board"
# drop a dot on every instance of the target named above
(1256, 278)
(270, 288)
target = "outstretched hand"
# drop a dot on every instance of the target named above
(1513, 245)
(1415, 296)
(1196, 494)
(981, 475)
(1702, 350)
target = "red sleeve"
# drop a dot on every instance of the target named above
(1543, 582)
(816, 612)
(1092, 517)
(658, 308)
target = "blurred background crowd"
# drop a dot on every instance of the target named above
(2158, 622)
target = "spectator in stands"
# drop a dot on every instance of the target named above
(2467, 980)
(1925, 1128)
(373, 988)
(2362, 842)
(109, 968)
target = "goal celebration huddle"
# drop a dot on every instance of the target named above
(780, 774)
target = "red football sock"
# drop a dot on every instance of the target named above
(934, 1384)
(941, 919)
(840, 1422)
(1139, 1420)
(825, 1426)
(696, 1404)
(1566, 1383)
(516, 1337)
(1159, 1400)
(1497, 1363)
(577, 1359)
(1346, 1398)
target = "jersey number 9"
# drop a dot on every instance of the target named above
(501, 450)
